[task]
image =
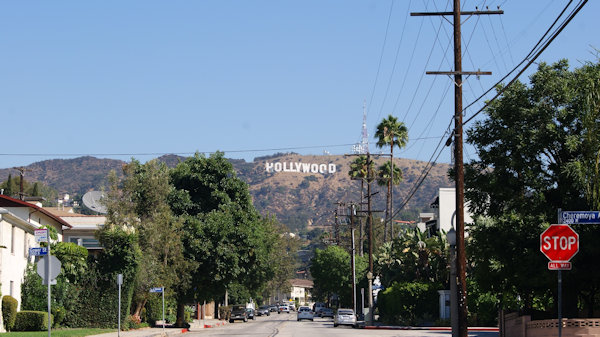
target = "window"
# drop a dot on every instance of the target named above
(12, 239)
(25, 246)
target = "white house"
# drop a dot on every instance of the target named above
(444, 216)
(300, 289)
(18, 220)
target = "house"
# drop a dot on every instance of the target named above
(300, 289)
(18, 221)
(444, 216)
(83, 227)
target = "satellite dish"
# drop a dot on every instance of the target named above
(93, 201)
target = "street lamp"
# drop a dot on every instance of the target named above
(451, 237)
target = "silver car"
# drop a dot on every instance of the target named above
(344, 317)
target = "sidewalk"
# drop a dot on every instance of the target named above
(168, 331)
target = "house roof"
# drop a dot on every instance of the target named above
(6, 201)
(298, 282)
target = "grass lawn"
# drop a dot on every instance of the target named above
(58, 333)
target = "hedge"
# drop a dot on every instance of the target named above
(409, 303)
(32, 321)
(9, 311)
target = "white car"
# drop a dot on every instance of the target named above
(283, 308)
(305, 313)
(344, 317)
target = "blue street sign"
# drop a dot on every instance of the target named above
(38, 251)
(156, 290)
(583, 217)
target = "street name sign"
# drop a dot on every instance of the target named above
(41, 235)
(38, 251)
(580, 217)
(156, 290)
(559, 243)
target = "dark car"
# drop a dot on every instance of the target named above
(263, 310)
(238, 312)
(251, 313)
(326, 312)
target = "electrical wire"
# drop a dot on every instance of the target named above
(387, 27)
(532, 60)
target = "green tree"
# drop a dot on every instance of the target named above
(384, 177)
(390, 132)
(332, 273)
(225, 239)
(140, 200)
(413, 257)
(537, 150)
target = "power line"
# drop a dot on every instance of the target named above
(543, 47)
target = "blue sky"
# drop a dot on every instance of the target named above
(122, 79)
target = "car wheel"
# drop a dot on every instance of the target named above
(298, 319)
(335, 325)
(231, 321)
(312, 320)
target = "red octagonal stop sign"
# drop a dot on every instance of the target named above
(559, 242)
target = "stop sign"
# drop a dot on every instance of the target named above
(559, 242)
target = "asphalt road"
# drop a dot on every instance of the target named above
(286, 325)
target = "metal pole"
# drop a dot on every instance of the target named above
(47, 278)
(559, 290)
(163, 305)
(119, 314)
(559, 303)
(353, 267)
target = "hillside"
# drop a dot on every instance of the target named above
(298, 190)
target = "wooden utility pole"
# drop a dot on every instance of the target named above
(22, 171)
(458, 158)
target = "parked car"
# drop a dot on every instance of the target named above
(305, 313)
(344, 317)
(284, 308)
(292, 306)
(238, 312)
(326, 312)
(273, 308)
(251, 313)
(263, 310)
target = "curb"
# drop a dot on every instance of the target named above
(389, 327)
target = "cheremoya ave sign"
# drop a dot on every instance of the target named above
(301, 167)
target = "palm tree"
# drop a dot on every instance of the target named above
(361, 169)
(384, 176)
(390, 132)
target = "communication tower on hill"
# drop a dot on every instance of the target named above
(363, 146)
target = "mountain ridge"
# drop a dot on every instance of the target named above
(300, 190)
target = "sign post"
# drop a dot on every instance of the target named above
(161, 290)
(559, 243)
(41, 235)
(119, 283)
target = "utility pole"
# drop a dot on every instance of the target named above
(458, 154)
(22, 171)
(371, 238)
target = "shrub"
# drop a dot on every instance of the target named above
(31, 321)
(9, 311)
(408, 303)
(225, 312)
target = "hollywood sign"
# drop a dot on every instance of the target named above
(300, 167)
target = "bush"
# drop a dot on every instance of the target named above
(225, 312)
(409, 303)
(9, 311)
(31, 321)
